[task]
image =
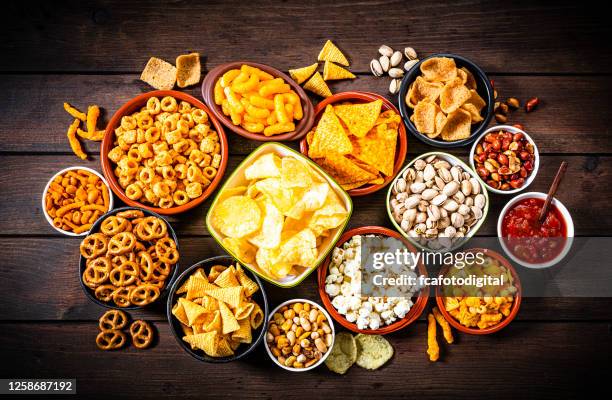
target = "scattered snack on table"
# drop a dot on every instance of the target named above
(373, 351)
(141, 333)
(76, 199)
(165, 154)
(445, 100)
(332, 71)
(343, 354)
(159, 74)
(355, 143)
(330, 52)
(110, 340)
(317, 85)
(308, 343)
(217, 312)
(504, 160)
(343, 286)
(483, 307)
(277, 221)
(91, 133)
(299, 75)
(433, 350)
(446, 329)
(130, 259)
(113, 319)
(437, 203)
(188, 69)
(257, 101)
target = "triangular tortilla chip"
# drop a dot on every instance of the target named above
(231, 296)
(329, 136)
(244, 310)
(317, 85)
(243, 334)
(249, 285)
(230, 324)
(224, 349)
(332, 72)
(227, 278)
(179, 312)
(193, 311)
(215, 324)
(299, 75)
(344, 170)
(330, 52)
(377, 148)
(203, 341)
(359, 118)
(197, 287)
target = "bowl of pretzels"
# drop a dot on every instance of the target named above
(129, 259)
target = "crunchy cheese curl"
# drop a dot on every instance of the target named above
(432, 344)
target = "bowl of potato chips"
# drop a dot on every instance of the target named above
(446, 100)
(359, 139)
(279, 214)
(217, 309)
(258, 101)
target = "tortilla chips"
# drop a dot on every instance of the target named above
(444, 100)
(330, 52)
(217, 319)
(332, 71)
(317, 85)
(299, 75)
(355, 143)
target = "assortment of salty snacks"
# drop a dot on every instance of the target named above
(437, 203)
(482, 307)
(216, 312)
(444, 100)
(368, 351)
(165, 154)
(130, 259)
(75, 199)
(505, 160)
(162, 75)
(389, 63)
(433, 349)
(343, 285)
(257, 101)
(527, 238)
(91, 132)
(277, 221)
(299, 335)
(355, 143)
(112, 337)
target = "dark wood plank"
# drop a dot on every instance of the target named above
(573, 120)
(39, 281)
(501, 36)
(491, 366)
(25, 177)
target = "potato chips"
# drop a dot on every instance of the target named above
(355, 143)
(275, 222)
(217, 313)
(444, 100)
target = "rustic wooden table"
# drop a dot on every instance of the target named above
(93, 51)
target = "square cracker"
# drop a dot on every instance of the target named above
(159, 74)
(188, 69)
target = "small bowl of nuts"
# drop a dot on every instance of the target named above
(505, 158)
(437, 202)
(300, 335)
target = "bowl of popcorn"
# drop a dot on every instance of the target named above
(363, 293)
(479, 308)
(164, 151)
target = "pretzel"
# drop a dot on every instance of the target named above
(110, 340)
(144, 294)
(146, 265)
(125, 274)
(121, 243)
(151, 228)
(142, 334)
(97, 271)
(113, 225)
(130, 214)
(93, 245)
(121, 296)
(166, 250)
(113, 319)
(104, 292)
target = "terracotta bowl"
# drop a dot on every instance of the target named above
(301, 128)
(506, 320)
(414, 313)
(402, 142)
(129, 108)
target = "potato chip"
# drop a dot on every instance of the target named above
(343, 170)
(237, 216)
(266, 166)
(231, 295)
(373, 351)
(294, 173)
(188, 69)
(243, 334)
(424, 117)
(317, 85)
(227, 278)
(332, 71)
(457, 126)
(229, 322)
(377, 148)
(359, 118)
(299, 249)
(271, 227)
(282, 197)
(312, 199)
(470, 82)
(330, 216)
(453, 95)
(439, 69)
(330, 52)
(159, 74)
(343, 354)
(241, 248)
(299, 75)
(329, 136)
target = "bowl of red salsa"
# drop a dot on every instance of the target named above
(528, 242)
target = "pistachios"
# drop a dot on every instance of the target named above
(390, 62)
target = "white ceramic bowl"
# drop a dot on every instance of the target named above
(564, 213)
(44, 208)
(331, 325)
(513, 130)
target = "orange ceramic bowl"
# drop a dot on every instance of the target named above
(132, 106)
(414, 313)
(363, 97)
(504, 322)
(302, 127)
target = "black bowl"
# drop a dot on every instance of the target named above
(175, 326)
(483, 87)
(83, 262)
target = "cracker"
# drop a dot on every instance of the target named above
(159, 74)
(188, 69)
